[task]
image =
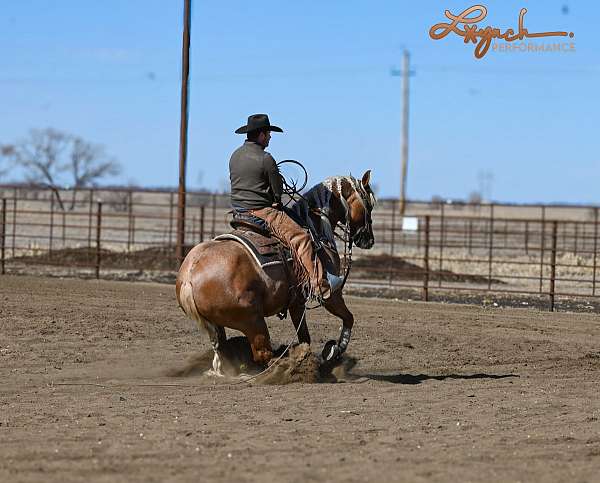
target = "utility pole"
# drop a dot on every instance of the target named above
(405, 94)
(183, 130)
(405, 73)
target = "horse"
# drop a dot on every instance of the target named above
(220, 285)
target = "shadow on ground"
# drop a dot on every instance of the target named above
(419, 378)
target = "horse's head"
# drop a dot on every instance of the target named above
(358, 201)
(361, 204)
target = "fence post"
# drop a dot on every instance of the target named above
(595, 250)
(51, 225)
(576, 235)
(527, 238)
(491, 247)
(129, 219)
(98, 233)
(441, 239)
(201, 223)
(64, 222)
(3, 236)
(171, 218)
(543, 247)
(418, 234)
(214, 215)
(425, 291)
(14, 223)
(553, 265)
(133, 231)
(470, 236)
(393, 241)
(91, 210)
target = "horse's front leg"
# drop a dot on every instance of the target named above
(257, 333)
(298, 314)
(337, 306)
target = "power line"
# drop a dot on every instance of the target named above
(317, 73)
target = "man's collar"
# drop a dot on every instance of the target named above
(260, 146)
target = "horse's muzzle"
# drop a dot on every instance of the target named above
(364, 240)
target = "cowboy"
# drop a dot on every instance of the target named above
(256, 189)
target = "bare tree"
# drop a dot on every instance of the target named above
(5, 151)
(88, 163)
(49, 156)
(40, 155)
(475, 198)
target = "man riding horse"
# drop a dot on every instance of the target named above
(223, 284)
(256, 190)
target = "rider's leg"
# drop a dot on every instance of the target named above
(287, 230)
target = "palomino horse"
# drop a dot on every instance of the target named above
(220, 284)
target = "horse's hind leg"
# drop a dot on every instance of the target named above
(216, 333)
(217, 337)
(257, 333)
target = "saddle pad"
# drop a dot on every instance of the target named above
(265, 250)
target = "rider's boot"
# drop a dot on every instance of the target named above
(333, 284)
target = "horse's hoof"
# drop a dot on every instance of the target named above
(331, 351)
(263, 357)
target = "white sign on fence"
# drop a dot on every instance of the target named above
(410, 223)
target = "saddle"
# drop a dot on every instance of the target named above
(263, 247)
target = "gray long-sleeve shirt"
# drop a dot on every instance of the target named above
(255, 179)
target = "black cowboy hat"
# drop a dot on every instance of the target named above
(257, 121)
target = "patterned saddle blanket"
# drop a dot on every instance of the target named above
(266, 250)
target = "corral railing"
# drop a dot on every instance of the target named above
(542, 250)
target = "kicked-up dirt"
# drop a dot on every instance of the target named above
(95, 387)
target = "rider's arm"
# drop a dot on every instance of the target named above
(274, 178)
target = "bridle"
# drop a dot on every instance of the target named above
(347, 239)
(366, 198)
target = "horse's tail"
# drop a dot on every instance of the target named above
(187, 302)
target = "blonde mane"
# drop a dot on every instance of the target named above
(334, 184)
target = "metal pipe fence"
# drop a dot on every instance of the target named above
(548, 251)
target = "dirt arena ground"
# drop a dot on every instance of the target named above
(440, 393)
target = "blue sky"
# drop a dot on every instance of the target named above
(109, 71)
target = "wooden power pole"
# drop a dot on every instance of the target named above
(405, 96)
(183, 130)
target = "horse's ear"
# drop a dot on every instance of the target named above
(366, 178)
